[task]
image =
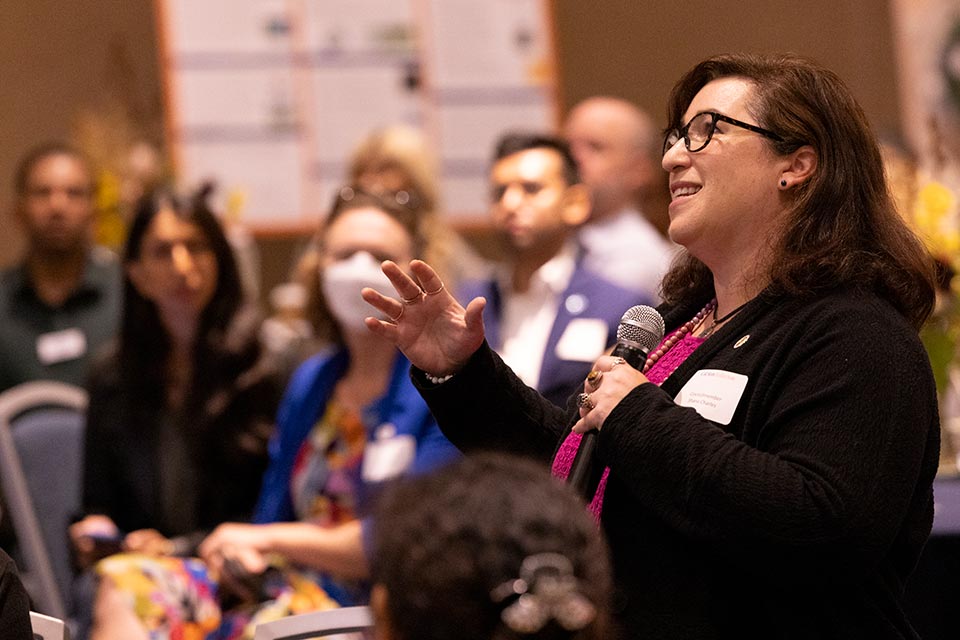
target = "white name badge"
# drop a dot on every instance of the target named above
(60, 346)
(584, 340)
(389, 455)
(713, 393)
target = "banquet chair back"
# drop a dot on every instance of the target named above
(41, 460)
(318, 624)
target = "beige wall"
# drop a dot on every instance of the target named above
(60, 57)
(637, 49)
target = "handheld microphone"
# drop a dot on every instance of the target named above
(641, 329)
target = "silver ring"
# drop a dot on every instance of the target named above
(399, 315)
(617, 361)
(584, 401)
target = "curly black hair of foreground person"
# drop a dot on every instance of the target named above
(489, 548)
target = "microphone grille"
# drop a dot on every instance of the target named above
(643, 325)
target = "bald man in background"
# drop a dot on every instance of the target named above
(617, 147)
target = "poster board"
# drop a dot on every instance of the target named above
(269, 97)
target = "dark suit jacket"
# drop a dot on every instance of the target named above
(586, 296)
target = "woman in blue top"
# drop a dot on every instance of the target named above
(350, 419)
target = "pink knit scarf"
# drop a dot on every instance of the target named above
(659, 372)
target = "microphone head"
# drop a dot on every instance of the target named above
(641, 325)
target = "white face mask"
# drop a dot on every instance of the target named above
(341, 283)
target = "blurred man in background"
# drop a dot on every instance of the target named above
(547, 315)
(617, 148)
(61, 303)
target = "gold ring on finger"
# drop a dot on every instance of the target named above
(414, 300)
(399, 315)
(594, 378)
(435, 291)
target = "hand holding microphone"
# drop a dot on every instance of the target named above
(641, 329)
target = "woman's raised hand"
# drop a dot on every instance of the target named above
(427, 323)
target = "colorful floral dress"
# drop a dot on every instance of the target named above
(177, 599)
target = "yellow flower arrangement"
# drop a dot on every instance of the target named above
(110, 229)
(932, 208)
(934, 216)
(935, 220)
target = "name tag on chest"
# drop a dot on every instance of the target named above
(584, 340)
(60, 346)
(388, 455)
(713, 393)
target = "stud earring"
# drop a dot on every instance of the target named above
(783, 183)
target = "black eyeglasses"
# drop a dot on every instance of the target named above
(697, 133)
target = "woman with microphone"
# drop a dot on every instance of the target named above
(769, 470)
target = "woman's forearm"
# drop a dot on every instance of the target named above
(338, 550)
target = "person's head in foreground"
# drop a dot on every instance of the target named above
(490, 547)
(777, 179)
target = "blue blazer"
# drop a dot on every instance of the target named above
(305, 400)
(586, 296)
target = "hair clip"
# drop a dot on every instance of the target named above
(547, 589)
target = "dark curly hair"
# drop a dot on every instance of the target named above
(444, 542)
(844, 229)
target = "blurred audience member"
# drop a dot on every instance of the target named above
(548, 315)
(62, 302)
(397, 160)
(490, 548)
(617, 148)
(349, 420)
(181, 409)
